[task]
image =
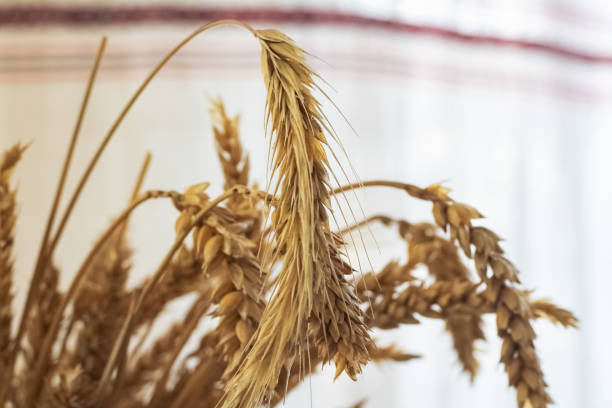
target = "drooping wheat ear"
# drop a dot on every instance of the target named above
(8, 217)
(311, 260)
(512, 305)
(440, 256)
(457, 302)
(500, 276)
(231, 269)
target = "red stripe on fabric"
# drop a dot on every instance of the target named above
(80, 16)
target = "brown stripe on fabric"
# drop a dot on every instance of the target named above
(237, 63)
(26, 16)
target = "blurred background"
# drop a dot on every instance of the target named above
(508, 102)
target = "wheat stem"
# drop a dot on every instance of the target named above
(411, 189)
(8, 218)
(43, 256)
(119, 120)
(43, 357)
(122, 341)
(193, 319)
(120, 235)
(383, 219)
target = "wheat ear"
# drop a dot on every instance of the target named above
(45, 256)
(512, 306)
(311, 261)
(103, 294)
(8, 217)
(234, 162)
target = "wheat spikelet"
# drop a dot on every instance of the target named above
(310, 257)
(8, 217)
(554, 313)
(437, 253)
(391, 353)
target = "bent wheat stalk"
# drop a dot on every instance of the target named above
(280, 291)
(43, 357)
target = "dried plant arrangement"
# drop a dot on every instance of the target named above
(266, 267)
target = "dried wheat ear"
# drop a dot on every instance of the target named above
(267, 274)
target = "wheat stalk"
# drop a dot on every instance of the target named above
(45, 254)
(279, 290)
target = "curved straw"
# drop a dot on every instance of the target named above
(45, 349)
(119, 120)
(411, 189)
(121, 343)
(135, 195)
(47, 251)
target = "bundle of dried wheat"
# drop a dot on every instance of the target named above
(85, 347)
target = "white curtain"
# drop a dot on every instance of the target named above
(522, 134)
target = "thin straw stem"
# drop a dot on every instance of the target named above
(43, 357)
(135, 192)
(119, 120)
(42, 257)
(144, 168)
(122, 341)
(383, 219)
(411, 189)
